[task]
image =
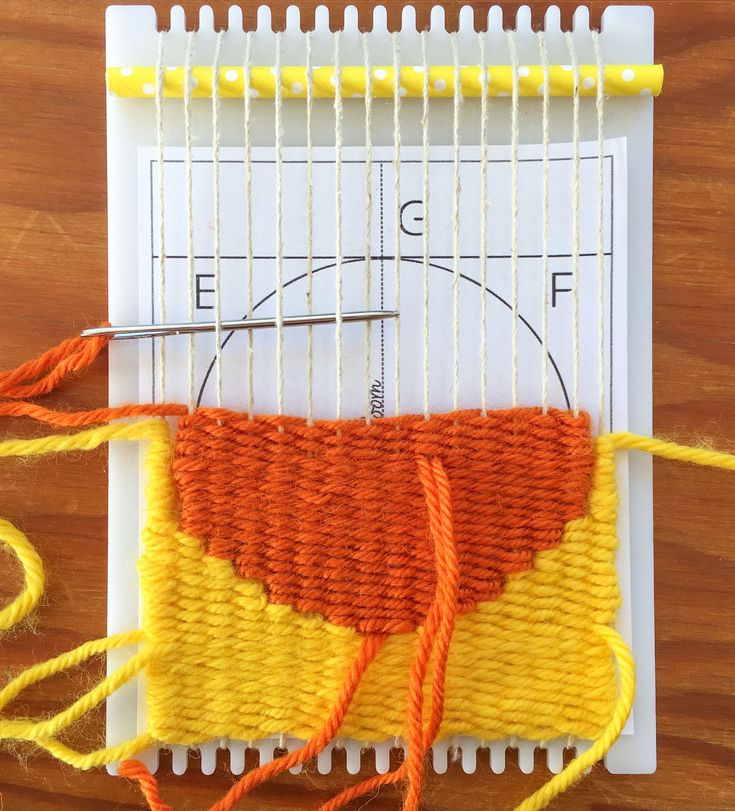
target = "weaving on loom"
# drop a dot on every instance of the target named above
(380, 289)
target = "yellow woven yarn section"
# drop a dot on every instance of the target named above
(230, 664)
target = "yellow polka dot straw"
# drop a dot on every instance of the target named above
(619, 80)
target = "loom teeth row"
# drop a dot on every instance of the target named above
(459, 748)
(495, 19)
(626, 36)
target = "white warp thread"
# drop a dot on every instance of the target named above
(309, 228)
(483, 223)
(278, 115)
(544, 227)
(425, 246)
(368, 212)
(457, 189)
(514, 138)
(189, 179)
(575, 221)
(338, 214)
(160, 83)
(397, 215)
(248, 167)
(600, 107)
(216, 106)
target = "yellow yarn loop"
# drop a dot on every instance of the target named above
(576, 769)
(12, 537)
(43, 731)
(32, 565)
(30, 730)
(44, 670)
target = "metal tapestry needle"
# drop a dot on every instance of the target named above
(156, 330)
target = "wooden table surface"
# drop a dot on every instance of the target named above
(53, 281)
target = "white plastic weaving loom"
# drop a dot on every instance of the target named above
(501, 229)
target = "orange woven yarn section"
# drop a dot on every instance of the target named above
(332, 519)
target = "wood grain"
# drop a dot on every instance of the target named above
(53, 281)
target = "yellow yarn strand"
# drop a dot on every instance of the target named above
(33, 575)
(29, 730)
(44, 670)
(576, 769)
(672, 450)
(86, 440)
(100, 757)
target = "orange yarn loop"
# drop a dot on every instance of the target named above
(44, 373)
(434, 639)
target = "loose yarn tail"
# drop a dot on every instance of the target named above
(439, 503)
(135, 770)
(96, 416)
(44, 731)
(44, 373)
(12, 537)
(577, 768)
(624, 440)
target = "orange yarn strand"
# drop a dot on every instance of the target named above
(135, 770)
(439, 502)
(436, 637)
(44, 373)
(94, 417)
(368, 786)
